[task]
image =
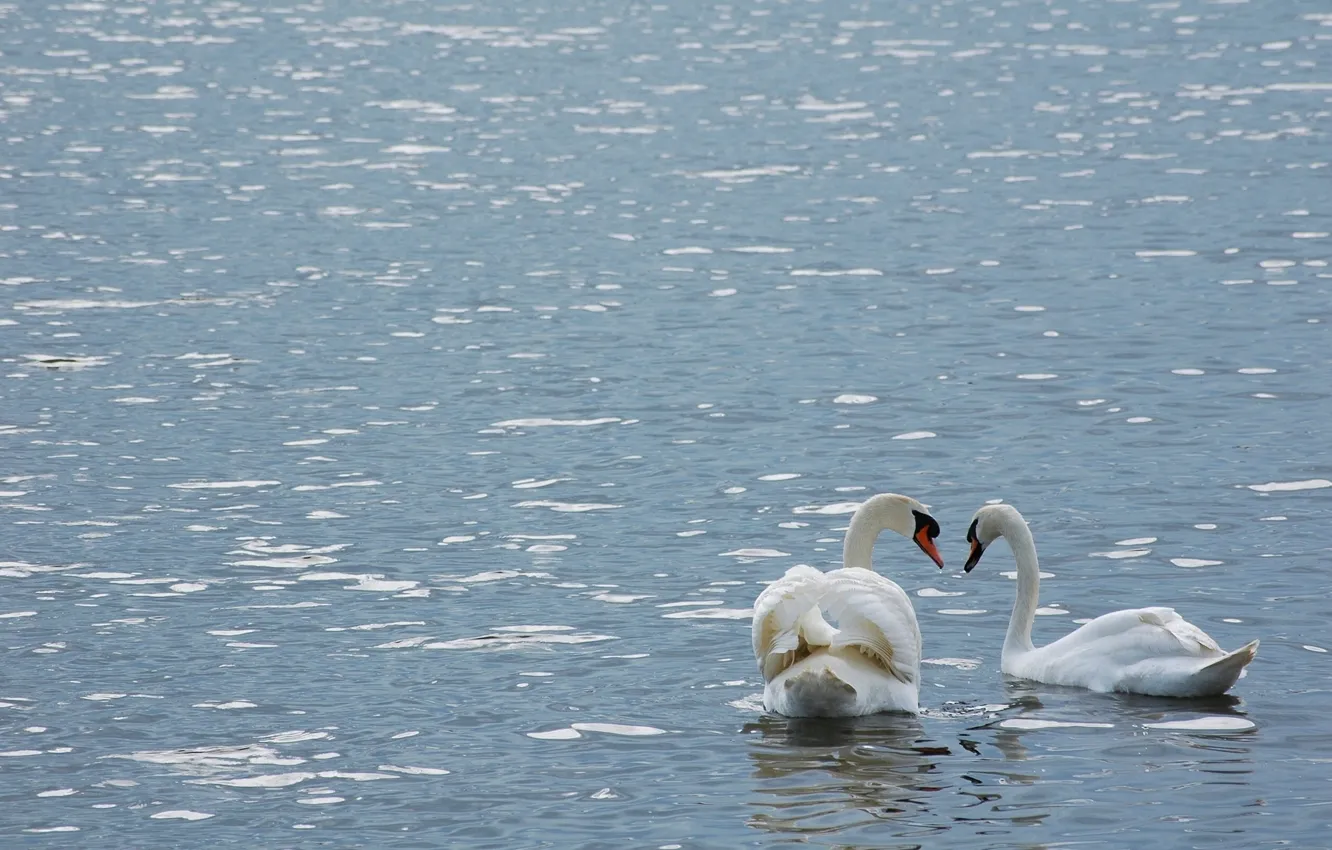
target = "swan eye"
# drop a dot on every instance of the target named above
(971, 532)
(927, 522)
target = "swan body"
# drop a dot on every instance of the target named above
(1150, 651)
(869, 662)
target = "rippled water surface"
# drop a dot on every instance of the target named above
(403, 403)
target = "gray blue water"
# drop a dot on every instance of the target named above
(402, 404)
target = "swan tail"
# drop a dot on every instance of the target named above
(816, 692)
(1218, 676)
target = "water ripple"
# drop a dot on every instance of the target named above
(295, 296)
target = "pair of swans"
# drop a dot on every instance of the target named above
(870, 661)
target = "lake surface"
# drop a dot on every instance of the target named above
(403, 403)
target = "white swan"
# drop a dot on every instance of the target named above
(1150, 651)
(870, 661)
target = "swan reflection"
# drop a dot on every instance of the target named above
(1039, 758)
(832, 775)
(1214, 723)
(1117, 709)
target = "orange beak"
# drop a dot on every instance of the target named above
(922, 538)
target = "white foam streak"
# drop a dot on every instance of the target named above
(1288, 486)
(711, 614)
(617, 729)
(268, 780)
(1033, 723)
(1194, 562)
(1205, 724)
(916, 435)
(223, 485)
(181, 814)
(545, 422)
(567, 507)
(414, 771)
(1120, 554)
(835, 509)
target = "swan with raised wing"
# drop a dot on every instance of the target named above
(869, 662)
(1151, 651)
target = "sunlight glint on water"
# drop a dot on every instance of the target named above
(403, 405)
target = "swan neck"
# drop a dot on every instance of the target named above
(858, 547)
(1020, 541)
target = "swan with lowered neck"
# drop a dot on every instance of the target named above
(1150, 651)
(869, 662)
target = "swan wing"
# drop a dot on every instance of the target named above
(875, 617)
(1191, 639)
(1143, 650)
(1141, 632)
(787, 620)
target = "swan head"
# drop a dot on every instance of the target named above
(907, 517)
(988, 523)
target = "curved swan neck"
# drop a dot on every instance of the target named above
(858, 547)
(885, 511)
(1019, 538)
